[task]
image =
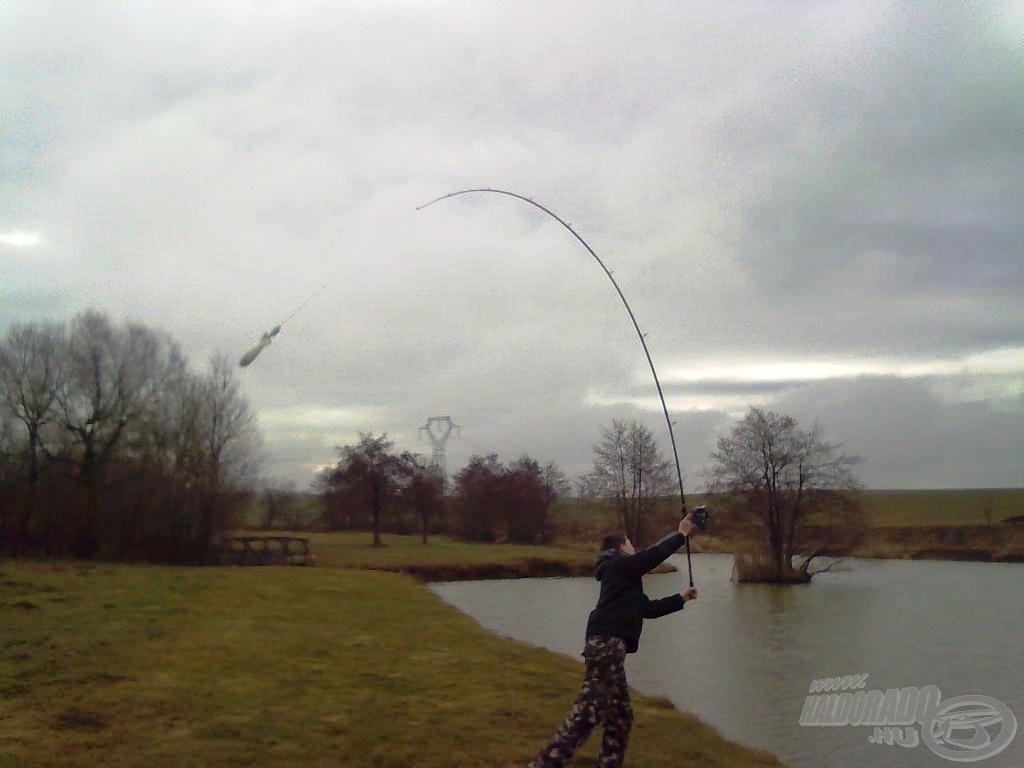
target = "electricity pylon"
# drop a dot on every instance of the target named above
(439, 429)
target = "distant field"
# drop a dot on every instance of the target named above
(580, 523)
(883, 508)
(946, 507)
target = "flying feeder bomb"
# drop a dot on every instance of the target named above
(268, 337)
(262, 344)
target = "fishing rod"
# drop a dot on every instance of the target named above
(636, 325)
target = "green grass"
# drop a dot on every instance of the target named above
(354, 550)
(116, 665)
(303, 508)
(945, 507)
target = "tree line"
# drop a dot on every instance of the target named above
(784, 495)
(111, 445)
(372, 487)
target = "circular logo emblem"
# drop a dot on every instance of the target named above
(969, 728)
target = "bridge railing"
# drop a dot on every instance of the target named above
(262, 550)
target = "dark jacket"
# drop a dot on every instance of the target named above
(623, 606)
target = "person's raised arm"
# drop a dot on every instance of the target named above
(648, 559)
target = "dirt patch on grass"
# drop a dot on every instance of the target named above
(218, 730)
(77, 719)
(104, 679)
(25, 605)
(14, 688)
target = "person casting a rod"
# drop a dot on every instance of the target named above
(613, 630)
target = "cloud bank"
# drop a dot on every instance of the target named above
(815, 210)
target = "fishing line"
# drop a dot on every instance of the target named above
(632, 317)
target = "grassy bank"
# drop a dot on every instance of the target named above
(111, 665)
(353, 550)
(446, 559)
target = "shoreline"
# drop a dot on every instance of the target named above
(539, 568)
(1000, 543)
(527, 568)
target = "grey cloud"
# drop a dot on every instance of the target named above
(912, 155)
(910, 438)
(770, 180)
(730, 387)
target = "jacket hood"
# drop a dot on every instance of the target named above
(603, 560)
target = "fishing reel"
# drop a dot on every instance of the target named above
(699, 517)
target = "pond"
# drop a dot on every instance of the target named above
(742, 657)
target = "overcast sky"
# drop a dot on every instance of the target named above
(813, 208)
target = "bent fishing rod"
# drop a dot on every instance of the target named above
(632, 317)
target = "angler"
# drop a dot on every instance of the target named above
(613, 630)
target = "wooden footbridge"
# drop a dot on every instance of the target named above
(262, 550)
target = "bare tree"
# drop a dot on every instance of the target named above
(278, 496)
(8, 441)
(230, 439)
(369, 476)
(10, 509)
(198, 438)
(798, 489)
(31, 374)
(475, 513)
(146, 457)
(556, 484)
(492, 499)
(629, 468)
(172, 438)
(524, 497)
(585, 491)
(424, 492)
(111, 378)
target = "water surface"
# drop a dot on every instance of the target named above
(743, 656)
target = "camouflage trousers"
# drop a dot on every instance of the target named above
(604, 699)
